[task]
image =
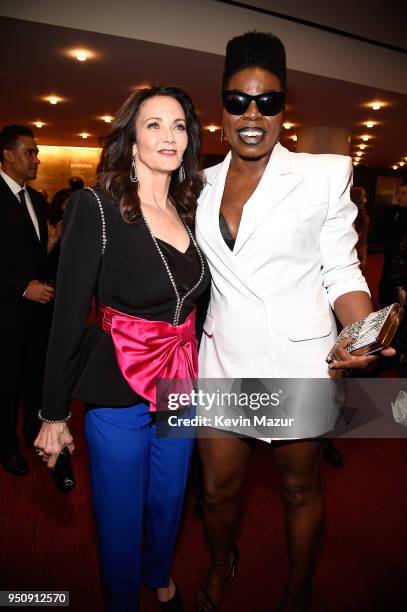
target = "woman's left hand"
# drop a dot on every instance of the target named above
(343, 360)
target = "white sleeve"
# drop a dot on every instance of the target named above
(340, 264)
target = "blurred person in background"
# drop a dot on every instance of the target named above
(55, 215)
(43, 192)
(399, 278)
(395, 228)
(76, 183)
(361, 224)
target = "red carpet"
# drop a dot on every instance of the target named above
(48, 541)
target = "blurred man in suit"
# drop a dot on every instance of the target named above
(24, 295)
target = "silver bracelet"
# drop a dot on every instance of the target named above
(51, 421)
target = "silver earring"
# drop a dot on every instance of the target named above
(133, 171)
(181, 173)
(221, 135)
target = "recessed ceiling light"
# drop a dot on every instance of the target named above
(81, 55)
(107, 118)
(402, 163)
(212, 128)
(395, 167)
(356, 162)
(53, 99)
(84, 135)
(370, 124)
(294, 137)
(362, 146)
(376, 105)
(365, 137)
(38, 124)
(287, 126)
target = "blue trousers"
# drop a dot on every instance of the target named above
(138, 483)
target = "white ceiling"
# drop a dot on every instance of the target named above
(35, 64)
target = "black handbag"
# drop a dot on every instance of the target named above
(63, 473)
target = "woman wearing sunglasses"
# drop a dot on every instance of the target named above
(276, 228)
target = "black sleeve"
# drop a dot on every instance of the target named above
(13, 278)
(81, 252)
(12, 285)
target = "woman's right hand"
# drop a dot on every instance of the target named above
(52, 439)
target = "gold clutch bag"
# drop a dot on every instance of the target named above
(371, 334)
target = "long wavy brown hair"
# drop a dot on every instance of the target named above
(113, 172)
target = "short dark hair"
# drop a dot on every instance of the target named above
(9, 136)
(75, 183)
(113, 173)
(255, 49)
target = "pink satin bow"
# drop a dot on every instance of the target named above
(150, 350)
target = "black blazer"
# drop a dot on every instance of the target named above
(129, 277)
(22, 256)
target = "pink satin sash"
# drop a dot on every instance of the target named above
(149, 350)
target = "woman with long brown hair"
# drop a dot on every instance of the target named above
(130, 242)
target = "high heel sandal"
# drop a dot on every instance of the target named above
(209, 604)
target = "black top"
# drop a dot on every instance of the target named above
(224, 230)
(129, 277)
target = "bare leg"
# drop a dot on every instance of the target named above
(225, 462)
(298, 465)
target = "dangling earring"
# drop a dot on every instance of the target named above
(133, 171)
(181, 173)
(221, 135)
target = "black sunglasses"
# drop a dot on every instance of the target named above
(269, 103)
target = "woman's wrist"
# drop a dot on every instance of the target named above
(52, 421)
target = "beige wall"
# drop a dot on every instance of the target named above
(58, 164)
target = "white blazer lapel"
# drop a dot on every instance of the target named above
(208, 210)
(276, 183)
(207, 224)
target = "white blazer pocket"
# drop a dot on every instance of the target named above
(310, 329)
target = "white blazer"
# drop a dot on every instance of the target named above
(270, 313)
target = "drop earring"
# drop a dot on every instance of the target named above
(133, 171)
(181, 173)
